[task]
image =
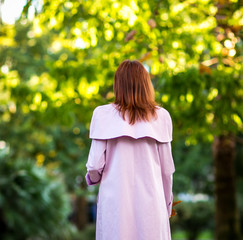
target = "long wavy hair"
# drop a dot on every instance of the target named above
(134, 92)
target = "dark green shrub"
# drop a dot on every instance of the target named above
(33, 203)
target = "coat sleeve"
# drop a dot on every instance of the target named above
(96, 161)
(167, 170)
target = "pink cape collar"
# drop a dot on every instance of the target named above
(107, 123)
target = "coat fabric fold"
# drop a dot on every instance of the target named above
(134, 166)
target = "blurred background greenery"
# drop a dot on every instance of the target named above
(57, 62)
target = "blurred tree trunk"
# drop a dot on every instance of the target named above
(82, 215)
(227, 218)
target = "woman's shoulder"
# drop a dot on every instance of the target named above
(162, 112)
(111, 108)
(104, 111)
(105, 107)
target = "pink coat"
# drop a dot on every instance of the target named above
(134, 166)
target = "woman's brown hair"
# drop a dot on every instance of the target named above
(134, 92)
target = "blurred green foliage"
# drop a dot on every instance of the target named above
(194, 218)
(194, 167)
